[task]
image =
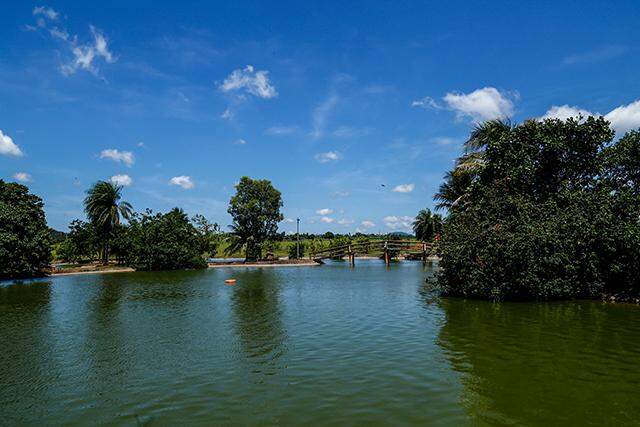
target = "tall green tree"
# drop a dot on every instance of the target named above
(427, 225)
(551, 213)
(105, 210)
(25, 242)
(255, 209)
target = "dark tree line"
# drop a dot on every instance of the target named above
(543, 210)
(25, 239)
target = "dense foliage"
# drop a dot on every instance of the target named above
(80, 244)
(546, 210)
(255, 209)
(296, 251)
(25, 239)
(166, 242)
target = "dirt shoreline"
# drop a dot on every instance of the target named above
(266, 264)
(106, 270)
(237, 264)
(305, 263)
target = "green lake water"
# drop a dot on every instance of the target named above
(327, 345)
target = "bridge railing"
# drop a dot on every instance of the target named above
(371, 246)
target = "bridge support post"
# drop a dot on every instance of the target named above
(424, 253)
(387, 258)
(352, 257)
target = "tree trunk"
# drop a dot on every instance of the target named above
(105, 253)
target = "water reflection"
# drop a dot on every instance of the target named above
(537, 364)
(258, 320)
(27, 364)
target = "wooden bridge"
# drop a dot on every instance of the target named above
(386, 249)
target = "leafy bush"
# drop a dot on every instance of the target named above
(271, 247)
(81, 243)
(293, 254)
(551, 213)
(165, 242)
(25, 240)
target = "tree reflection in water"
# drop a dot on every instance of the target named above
(27, 365)
(541, 363)
(258, 320)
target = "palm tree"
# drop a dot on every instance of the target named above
(485, 132)
(458, 181)
(104, 209)
(452, 191)
(427, 225)
(241, 237)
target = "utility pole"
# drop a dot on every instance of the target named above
(297, 238)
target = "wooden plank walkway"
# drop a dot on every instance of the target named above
(388, 249)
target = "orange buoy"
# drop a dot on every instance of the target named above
(230, 281)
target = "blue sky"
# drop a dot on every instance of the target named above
(328, 100)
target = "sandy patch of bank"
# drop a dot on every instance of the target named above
(257, 264)
(106, 270)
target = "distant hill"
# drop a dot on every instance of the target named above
(400, 234)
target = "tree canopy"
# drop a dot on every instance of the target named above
(25, 239)
(167, 241)
(255, 209)
(550, 210)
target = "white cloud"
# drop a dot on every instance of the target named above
(564, 112)
(247, 79)
(8, 147)
(368, 224)
(350, 132)
(600, 54)
(240, 141)
(443, 140)
(84, 55)
(320, 115)
(227, 114)
(398, 222)
(340, 194)
(326, 220)
(325, 211)
(404, 188)
(289, 220)
(345, 221)
(329, 156)
(57, 33)
(46, 11)
(122, 180)
(482, 104)
(125, 157)
(22, 177)
(280, 130)
(625, 117)
(182, 181)
(426, 102)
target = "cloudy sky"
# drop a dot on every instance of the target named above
(354, 110)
